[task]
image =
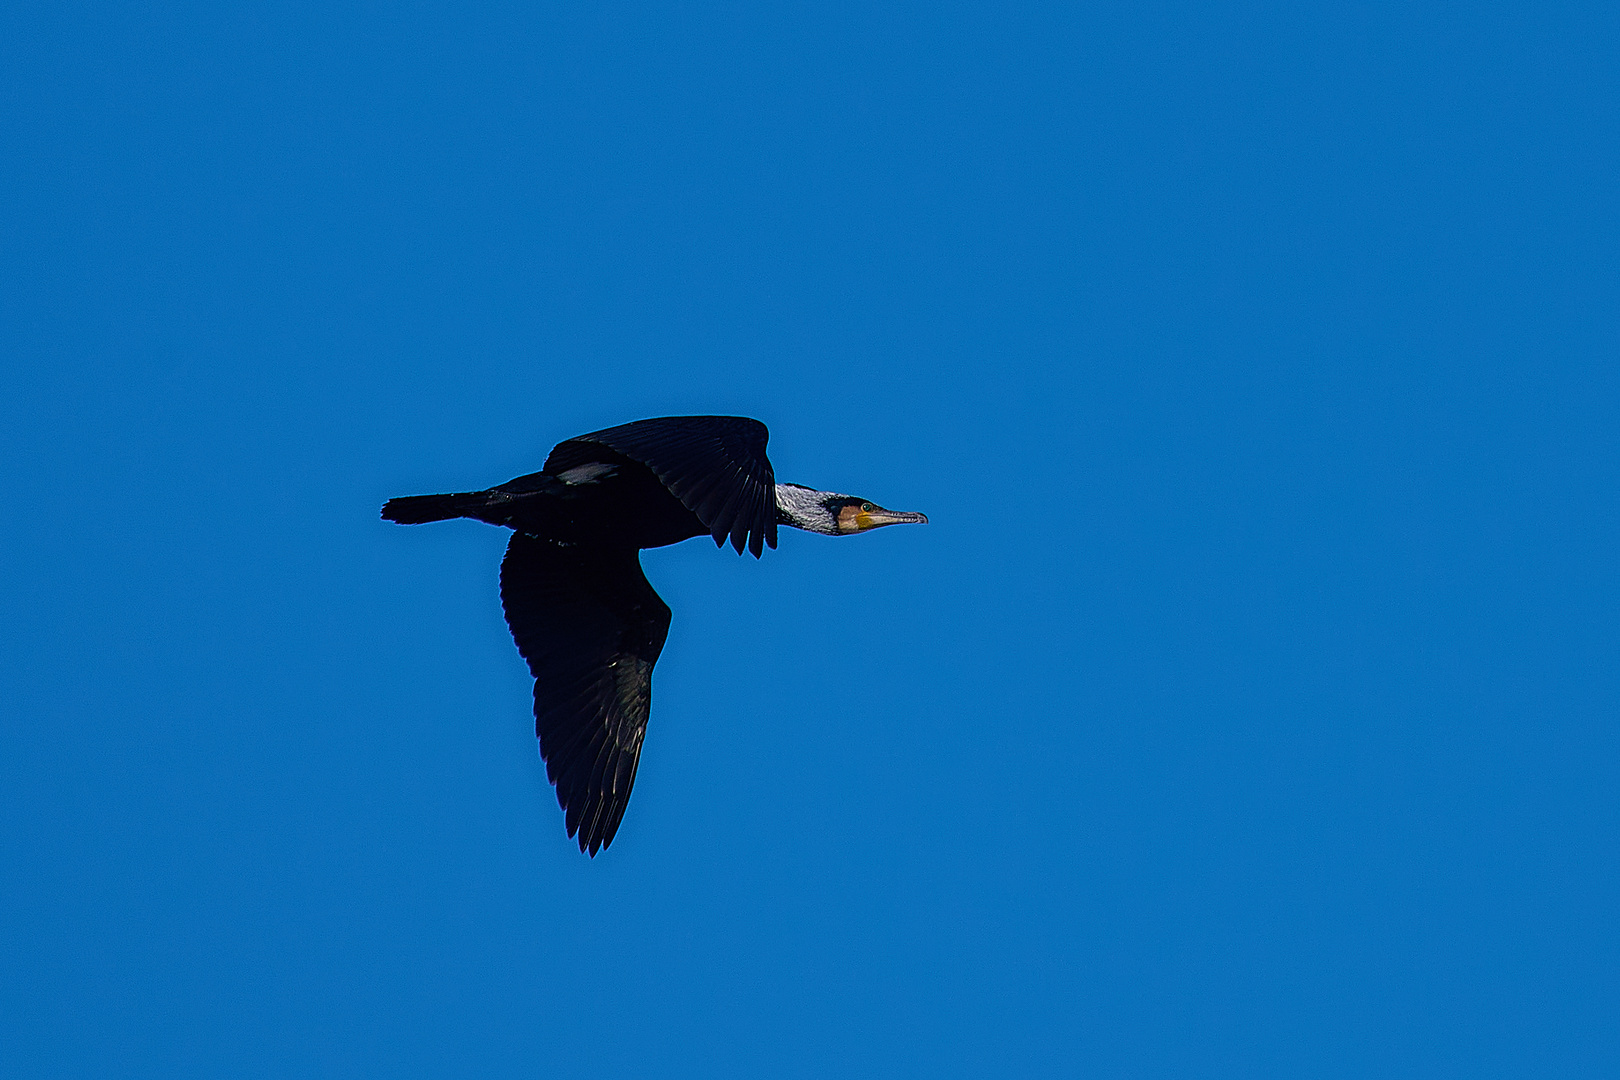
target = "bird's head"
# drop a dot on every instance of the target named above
(833, 514)
(854, 515)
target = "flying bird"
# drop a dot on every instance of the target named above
(579, 607)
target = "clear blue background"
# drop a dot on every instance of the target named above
(1248, 708)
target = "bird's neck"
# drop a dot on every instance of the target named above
(805, 508)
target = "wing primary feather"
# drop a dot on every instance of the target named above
(754, 534)
(573, 781)
(693, 493)
(716, 507)
(564, 749)
(730, 513)
(628, 769)
(594, 793)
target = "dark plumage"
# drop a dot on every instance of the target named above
(581, 610)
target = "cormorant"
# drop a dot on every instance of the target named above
(579, 606)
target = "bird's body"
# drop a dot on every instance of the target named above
(579, 607)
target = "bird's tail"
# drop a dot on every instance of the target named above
(419, 509)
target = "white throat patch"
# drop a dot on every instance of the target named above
(805, 508)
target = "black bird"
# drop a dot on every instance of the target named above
(580, 608)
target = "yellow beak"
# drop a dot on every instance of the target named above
(878, 517)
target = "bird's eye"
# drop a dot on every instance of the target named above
(866, 508)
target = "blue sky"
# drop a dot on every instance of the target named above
(1247, 709)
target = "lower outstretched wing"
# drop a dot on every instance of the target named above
(591, 628)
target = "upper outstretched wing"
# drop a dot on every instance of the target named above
(591, 628)
(716, 466)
